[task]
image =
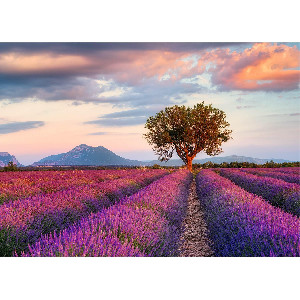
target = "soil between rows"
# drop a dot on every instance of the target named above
(194, 240)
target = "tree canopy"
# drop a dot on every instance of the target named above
(10, 167)
(188, 131)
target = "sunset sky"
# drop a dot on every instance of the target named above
(55, 96)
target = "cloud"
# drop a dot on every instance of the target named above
(94, 48)
(119, 122)
(132, 113)
(59, 71)
(244, 106)
(79, 89)
(141, 73)
(126, 66)
(99, 133)
(113, 133)
(18, 126)
(125, 118)
(263, 67)
(283, 115)
(98, 89)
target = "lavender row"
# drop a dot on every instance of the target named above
(11, 177)
(287, 170)
(278, 192)
(243, 224)
(25, 184)
(145, 224)
(287, 177)
(23, 221)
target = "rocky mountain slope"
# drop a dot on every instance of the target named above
(84, 155)
(5, 158)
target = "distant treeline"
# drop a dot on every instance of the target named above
(271, 164)
(13, 167)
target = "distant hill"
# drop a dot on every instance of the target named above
(5, 158)
(219, 160)
(84, 155)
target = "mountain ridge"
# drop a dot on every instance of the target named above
(71, 158)
(5, 158)
(216, 159)
(84, 155)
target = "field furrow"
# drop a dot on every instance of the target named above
(23, 221)
(17, 185)
(243, 224)
(287, 177)
(195, 240)
(278, 192)
(145, 224)
(288, 170)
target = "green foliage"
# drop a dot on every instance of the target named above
(236, 164)
(10, 167)
(156, 166)
(187, 131)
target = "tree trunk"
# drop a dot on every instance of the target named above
(189, 164)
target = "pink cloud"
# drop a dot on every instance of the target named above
(126, 65)
(262, 67)
(16, 63)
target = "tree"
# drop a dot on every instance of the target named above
(188, 131)
(156, 166)
(11, 167)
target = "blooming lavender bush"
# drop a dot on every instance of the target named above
(242, 224)
(273, 190)
(288, 177)
(23, 221)
(144, 224)
(287, 170)
(17, 185)
(292, 203)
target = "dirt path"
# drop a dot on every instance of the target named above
(194, 240)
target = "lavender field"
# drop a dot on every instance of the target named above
(145, 212)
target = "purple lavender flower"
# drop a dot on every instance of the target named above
(144, 224)
(17, 185)
(243, 224)
(23, 221)
(273, 190)
(278, 174)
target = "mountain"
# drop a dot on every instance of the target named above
(84, 155)
(219, 160)
(5, 158)
(233, 158)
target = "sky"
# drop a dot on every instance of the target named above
(55, 96)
